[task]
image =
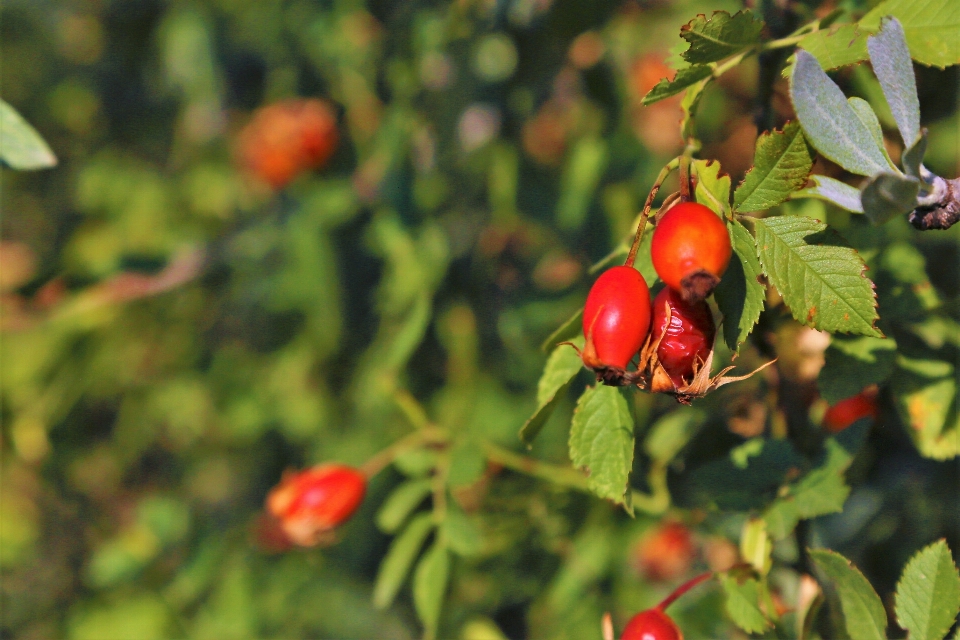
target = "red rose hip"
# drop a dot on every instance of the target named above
(691, 249)
(666, 553)
(313, 502)
(688, 338)
(652, 624)
(847, 411)
(616, 318)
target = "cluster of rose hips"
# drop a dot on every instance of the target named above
(690, 250)
(286, 138)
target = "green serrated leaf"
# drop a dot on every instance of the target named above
(781, 165)
(829, 122)
(401, 503)
(831, 190)
(928, 593)
(888, 195)
(835, 48)
(890, 58)
(684, 78)
(396, 564)
(863, 612)
(927, 400)
(743, 604)
(930, 28)
(430, 586)
(854, 363)
(719, 36)
(562, 366)
(740, 296)
(823, 490)
(21, 147)
(820, 279)
(713, 186)
(601, 441)
(461, 532)
(672, 432)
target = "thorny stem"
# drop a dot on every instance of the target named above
(682, 589)
(632, 256)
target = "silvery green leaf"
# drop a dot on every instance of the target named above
(891, 62)
(832, 190)
(830, 123)
(869, 118)
(912, 158)
(889, 195)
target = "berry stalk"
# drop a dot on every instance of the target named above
(682, 589)
(645, 214)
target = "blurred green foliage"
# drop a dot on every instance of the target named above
(175, 335)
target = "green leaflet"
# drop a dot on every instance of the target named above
(721, 35)
(740, 296)
(820, 279)
(601, 441)
(928, 593)
(863, 611)
(781, 165)
(829, 122)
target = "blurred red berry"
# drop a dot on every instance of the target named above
(666, 553)
(312, 502)
(286, 138)
(652, 624)
(847, 411)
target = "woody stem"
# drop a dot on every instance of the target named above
(632, 256)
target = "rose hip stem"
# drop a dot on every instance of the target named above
(685, 178)
(682, 589)
(670, 166)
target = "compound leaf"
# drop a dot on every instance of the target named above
(820, 279)
(601, 441)
(928, 594)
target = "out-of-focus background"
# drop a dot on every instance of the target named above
(178, 331)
